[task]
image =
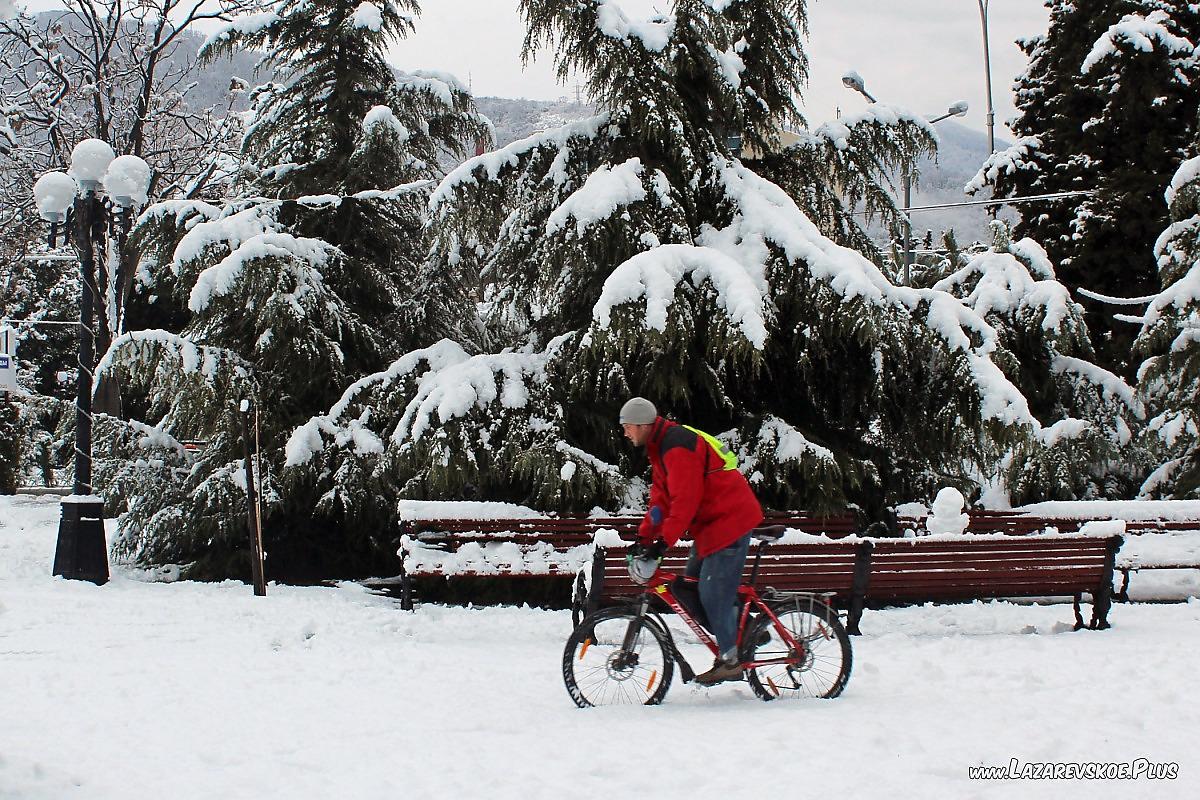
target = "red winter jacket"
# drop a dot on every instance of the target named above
(695, 492)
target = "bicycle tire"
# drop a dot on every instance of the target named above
(828, 660)
(598, 672)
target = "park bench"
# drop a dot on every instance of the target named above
(1150, 544)
(537, 546)
(860, 571)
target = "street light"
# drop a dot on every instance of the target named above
(987, 73)
(74, 201)
(852, 80)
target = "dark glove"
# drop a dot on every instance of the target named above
(656, 550)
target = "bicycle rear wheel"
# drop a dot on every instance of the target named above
(824, 656)
(599, 670)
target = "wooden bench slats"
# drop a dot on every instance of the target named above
(923, 569)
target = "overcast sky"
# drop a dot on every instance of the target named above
(921, 54)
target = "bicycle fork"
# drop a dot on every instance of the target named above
(634, 630)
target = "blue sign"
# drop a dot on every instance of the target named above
(3, 362)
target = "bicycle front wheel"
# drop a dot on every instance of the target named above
(599, 669)
(818, 667)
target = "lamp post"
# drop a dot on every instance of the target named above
(852, 80)
(987, 74)
(74, 201)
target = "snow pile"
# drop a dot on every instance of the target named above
(89, 161)
(367, 15)
(492, 558)
(604, 191)
(654, 34)
(128, 177)
(463, 509)
(657, 273)
(1140, 33)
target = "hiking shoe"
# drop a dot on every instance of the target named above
(721, 671)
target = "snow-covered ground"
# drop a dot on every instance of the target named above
(185, 690)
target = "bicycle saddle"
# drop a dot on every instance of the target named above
(768, 533)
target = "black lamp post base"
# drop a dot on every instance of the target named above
(82, 551)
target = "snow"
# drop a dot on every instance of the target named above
(838, 131)
(8, 9)
(54, 193)
(246, 24)
(656, 274)
(128, 176)
(1004, 286)
(1188, 172)
(1017, 156)
(367, 15)
(494, 162)
(220, 278)
(604, 191)
(947, 515)
(90, 159)
(123, 690)
(463, 509)
(1140, 33)
(383, 116)
(654, 34)
(767, 214)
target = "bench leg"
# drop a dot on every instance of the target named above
(406, 592)
(1123, 594)
(853, 615)
(1078, 613)
(1101, 603)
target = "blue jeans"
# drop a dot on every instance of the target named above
(720, 573)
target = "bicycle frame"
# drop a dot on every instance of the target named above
(748, 600)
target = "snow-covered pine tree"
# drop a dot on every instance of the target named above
(633, 253)
(1108, 104)
(290, 290)
(337, 121)
(1169, 341)
(1085, 447)
(847, 164)
(10, 445)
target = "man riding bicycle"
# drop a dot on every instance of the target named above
(697, 488)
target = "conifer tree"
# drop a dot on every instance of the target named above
(635, 253)
(1087, 414)
(1107, 104)
(293, 287)
(1169, 341)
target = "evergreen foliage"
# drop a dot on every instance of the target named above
(634, 253)
(1109, 104)
(1087, 414)
(1169, 342)
(290, 289)
(10, 446)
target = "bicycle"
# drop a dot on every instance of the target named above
(790, 644)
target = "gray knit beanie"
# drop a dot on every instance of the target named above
(638, 411)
